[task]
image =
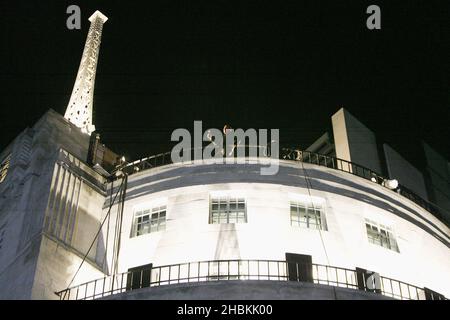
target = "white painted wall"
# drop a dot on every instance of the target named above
(354, 142)
(423, 260)
(32, 266)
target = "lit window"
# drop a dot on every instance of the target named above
(228, 210)
(4, 166)
(307, 215)
(381, 235)
(148, 221)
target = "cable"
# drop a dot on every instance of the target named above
(118, 231)
(107, 226)
(124, 195)
(309, 187)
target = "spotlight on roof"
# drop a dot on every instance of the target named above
(390, 184)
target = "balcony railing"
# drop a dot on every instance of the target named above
(305, 157)
(225, 270)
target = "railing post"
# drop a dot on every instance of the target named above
(103, 287)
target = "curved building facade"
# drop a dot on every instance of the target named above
(183, 224)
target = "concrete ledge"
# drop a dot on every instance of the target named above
(246, 290)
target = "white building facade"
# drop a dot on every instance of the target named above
(189, 213)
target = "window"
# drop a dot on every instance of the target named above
(4, 166)
(228, 210)
(381, 235)
(148, 221)
(307, 215)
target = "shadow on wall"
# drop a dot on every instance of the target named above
(227, 246)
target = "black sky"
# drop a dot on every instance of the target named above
(254, 64)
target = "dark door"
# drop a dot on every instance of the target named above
(139, 277)
(299, 267)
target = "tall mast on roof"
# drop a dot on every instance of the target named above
(79, 110)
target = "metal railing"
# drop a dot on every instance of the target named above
(299, 156)
(400, 290)
(224, 270)
(366, 173)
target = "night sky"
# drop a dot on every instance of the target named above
(254, 64)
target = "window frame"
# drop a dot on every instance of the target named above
(230, 213)
(310, 210)
(376, 237)
(141, 226)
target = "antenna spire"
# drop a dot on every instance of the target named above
(79, 109)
